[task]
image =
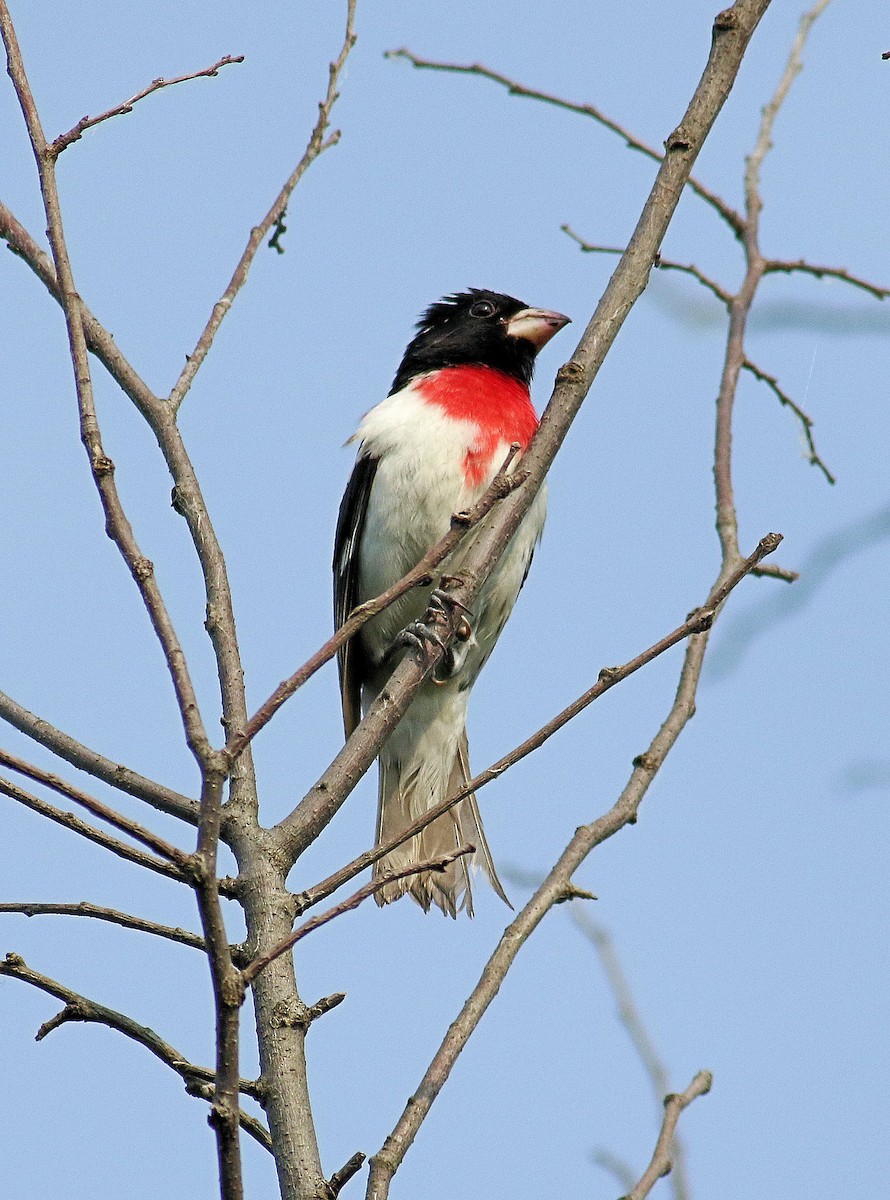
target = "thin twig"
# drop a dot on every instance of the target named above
(318, 143)
(85, 123)
(439, 863)
(661, 1158)
(729, 214)
(164, 848)
(628, 1013)
(81, 756)
(740, 308)
(419, 576)
(763, 145)
(159, 865)
(340, 1178)
(800, 266)
(79, 1008)
(806, 421)
(39, 908)
(663, 264)
(773, 571)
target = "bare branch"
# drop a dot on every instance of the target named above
(764, 142)
(735, 359)
(419, 576)
(253, 968)
(80, 756)
(773, 571)
(76, 825)
(99, 340)
(317, 145)
(806, 421)
(628, 1013)
(164, 848)
(801, 266)
(630, 1018)
(79, 1008)
(663, 264)
(116, 523)
(729, 215)
(188, 501)
(661, 1158)
(85, 123)
(228, 990)
(36, 908)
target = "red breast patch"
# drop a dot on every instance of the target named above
(497, 404)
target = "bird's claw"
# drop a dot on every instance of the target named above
(418, 636)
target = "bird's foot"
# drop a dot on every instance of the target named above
(448, 615)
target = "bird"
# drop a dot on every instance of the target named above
(459, 401)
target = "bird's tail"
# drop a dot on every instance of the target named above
(404, 796)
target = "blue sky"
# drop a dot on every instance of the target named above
(748, 903)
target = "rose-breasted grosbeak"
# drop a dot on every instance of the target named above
(459, 400)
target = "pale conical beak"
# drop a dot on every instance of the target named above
(536, 325)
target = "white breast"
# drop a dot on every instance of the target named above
(419, 483)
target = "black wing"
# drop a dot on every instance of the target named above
(350, 525)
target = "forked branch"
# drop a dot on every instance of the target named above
(79, 1008)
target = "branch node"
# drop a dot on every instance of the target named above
(572, 892)
(71, 1012)
(678, 140)
(324, 1005)
(702, 618)
(570, 372)
(290, 1014)
(726, 20)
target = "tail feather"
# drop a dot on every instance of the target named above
(470, 807)
(403, 798)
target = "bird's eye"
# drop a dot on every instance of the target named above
(482, 308)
